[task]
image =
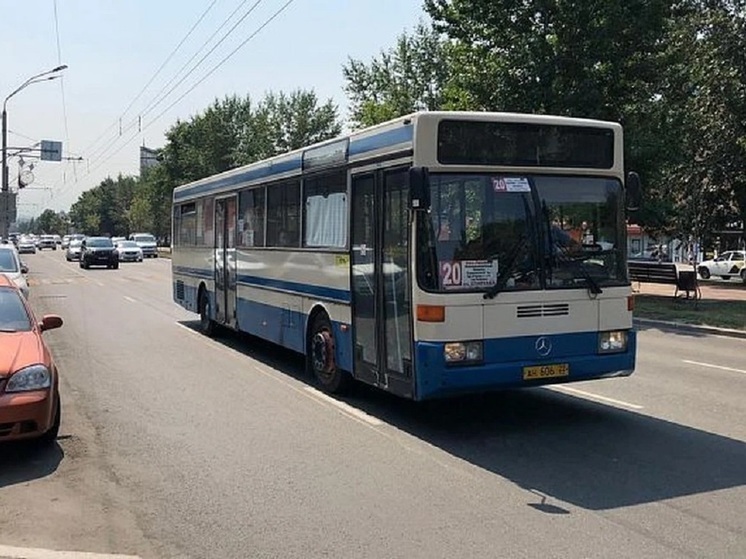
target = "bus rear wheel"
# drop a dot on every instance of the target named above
(206, 324)
(320, 357)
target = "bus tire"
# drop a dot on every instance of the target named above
(206, 324)
(320, 357)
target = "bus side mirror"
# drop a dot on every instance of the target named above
(633, 192)
(419, 189)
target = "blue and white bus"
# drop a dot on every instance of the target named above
(437, 254)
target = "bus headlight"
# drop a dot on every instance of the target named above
(463, 352)
(612, 342)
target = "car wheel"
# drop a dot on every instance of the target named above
(50, 437)
(206, 324)
(704, 273)
(320, 357)
(743, 275)
(80, 264)
(115, 266)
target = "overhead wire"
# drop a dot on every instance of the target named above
(156, 73)
(144, 88)
(269, 20)
(62, 91)
(160, 97)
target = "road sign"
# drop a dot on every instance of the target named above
(51, 150)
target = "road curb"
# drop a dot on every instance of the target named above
(691, 328)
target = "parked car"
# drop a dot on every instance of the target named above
(147, 243)
(47, 241)
(26, 245)
(73, 250)
(129, 251)
(730, 264)
(29, 381)
(65, 241)
(12, 267)
(98, 251)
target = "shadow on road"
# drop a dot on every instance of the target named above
(22, 462)
(591, 455)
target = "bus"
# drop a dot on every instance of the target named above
(438, 254)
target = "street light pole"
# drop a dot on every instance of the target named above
(44, 76)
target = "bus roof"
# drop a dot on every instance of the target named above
(387, 138)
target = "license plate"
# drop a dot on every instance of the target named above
(546, 371)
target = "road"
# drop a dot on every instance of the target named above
(175, 445)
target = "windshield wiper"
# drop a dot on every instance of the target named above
(579, 261)
(508, 270)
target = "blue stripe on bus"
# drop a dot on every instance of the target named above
(505, 358)
(331, 293)
(357, 147)
(382, 140)
(340, 295)
(194, 272)
(251, 174)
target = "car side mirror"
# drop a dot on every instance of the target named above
(419, 189)
(50, 322)
(633, 192)
(24, 269)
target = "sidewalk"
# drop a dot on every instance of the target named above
(713, 289)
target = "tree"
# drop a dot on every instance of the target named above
(50, 223)
(415, 74)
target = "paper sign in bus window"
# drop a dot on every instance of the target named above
(510, 184)
(468, 274)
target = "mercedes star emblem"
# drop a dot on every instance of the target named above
(543, 346)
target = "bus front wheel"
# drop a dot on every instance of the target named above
(206, 324)
(320, 357)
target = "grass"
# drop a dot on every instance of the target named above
(720, 313)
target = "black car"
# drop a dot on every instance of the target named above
(98, 251)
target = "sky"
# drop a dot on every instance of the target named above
(113, 48)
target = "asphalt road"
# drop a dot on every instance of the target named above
(174, 445)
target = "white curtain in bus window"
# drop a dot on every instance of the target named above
(326, 220)
(251, 218)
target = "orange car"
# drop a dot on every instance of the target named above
(29, 383)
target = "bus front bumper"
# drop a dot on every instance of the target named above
(515, 363)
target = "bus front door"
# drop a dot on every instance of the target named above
(381, 305)
(225, 261)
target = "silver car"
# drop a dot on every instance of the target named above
(11, 266)
(129, 251)
(73, 250)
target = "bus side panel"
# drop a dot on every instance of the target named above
(278, 289)
(191, 267)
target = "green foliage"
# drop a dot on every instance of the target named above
(413, 75)
(48, 223)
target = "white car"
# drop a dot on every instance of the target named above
(129, 251)
(730, 264)
(26, 245)
(147, 243)
(11, 266)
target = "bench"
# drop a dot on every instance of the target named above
(665, 273)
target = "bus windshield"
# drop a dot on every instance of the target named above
(521, 232)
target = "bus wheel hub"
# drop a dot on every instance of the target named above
(323, 352)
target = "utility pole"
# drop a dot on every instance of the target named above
(5, 193)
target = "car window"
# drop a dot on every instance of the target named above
(74, 244)
(8, 261)
(13, 315)
(98, 242)
(144, 238)
(736, 256)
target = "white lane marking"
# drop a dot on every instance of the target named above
(37, 553)
(345, 407)
(595, 397)
(712, 366)
(130, 299)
